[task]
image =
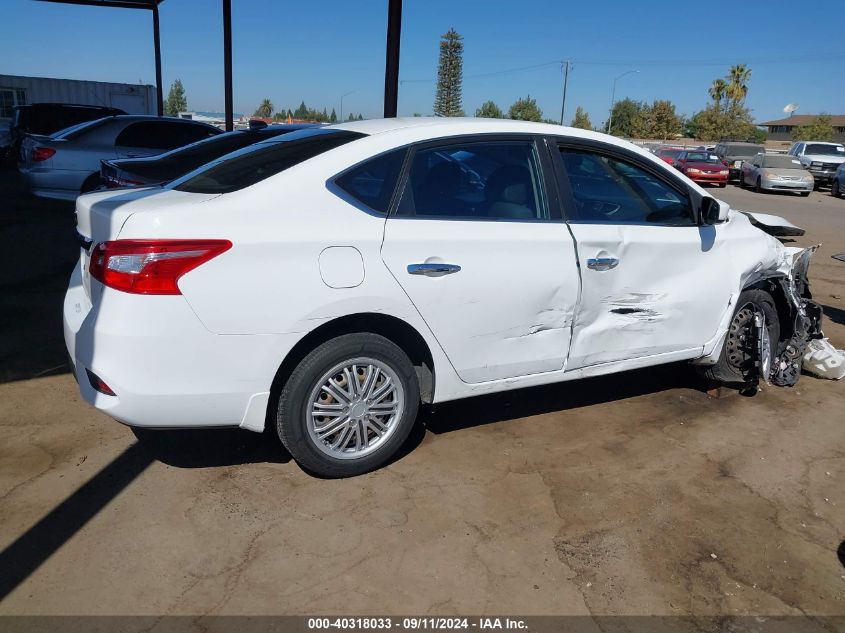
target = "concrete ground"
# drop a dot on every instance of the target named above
(631, 494)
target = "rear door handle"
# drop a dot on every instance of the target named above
(433, 270)
(602, 263)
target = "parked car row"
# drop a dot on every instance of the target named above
(125, 150)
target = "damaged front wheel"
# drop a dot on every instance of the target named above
(751, 342)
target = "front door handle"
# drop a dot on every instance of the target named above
(433, 270)
(602, 263)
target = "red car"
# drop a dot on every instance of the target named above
(702, 167)
(669, 154)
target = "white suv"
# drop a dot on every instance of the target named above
(327, 281)
(820, 158)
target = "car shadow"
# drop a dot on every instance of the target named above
(211, 448)
(521, 403)
(837, 315)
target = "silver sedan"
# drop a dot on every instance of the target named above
(776, 172)
(68, 162)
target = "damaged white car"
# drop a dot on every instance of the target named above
(325, 282)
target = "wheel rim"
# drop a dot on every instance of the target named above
(743, 345)
(354, 408)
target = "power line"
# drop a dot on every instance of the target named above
(791, 59)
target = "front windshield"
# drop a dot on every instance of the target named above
(702, 157)
(781, 161)
(825, 149)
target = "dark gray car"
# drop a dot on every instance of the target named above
(732, 154)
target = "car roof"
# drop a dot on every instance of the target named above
(436, 127)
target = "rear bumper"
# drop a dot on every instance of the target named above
(165, 368)
(61, 184)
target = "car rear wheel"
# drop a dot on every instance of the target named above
(804, 194)
(744, 355)
(741, 181)
(348, 406)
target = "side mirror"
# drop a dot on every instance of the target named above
(714, 211)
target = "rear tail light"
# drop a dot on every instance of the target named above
(150, 267)
(41, 153)
(113, 182)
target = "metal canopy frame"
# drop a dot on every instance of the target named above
(391, 63)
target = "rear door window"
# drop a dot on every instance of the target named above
(477, 180)
(161, 135)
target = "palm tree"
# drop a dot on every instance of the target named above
(717, 91)
(265, 110)
(738, 86)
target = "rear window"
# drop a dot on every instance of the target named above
(255, 163)
(78, 130)
(372, 183)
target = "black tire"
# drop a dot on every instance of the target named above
(834, 189)
(758, 186)
(741, 183)
(91, 183)
(722, 185)
(736, 364)
(805, 194)
(292, 413)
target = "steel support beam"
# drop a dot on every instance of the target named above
(391, 62)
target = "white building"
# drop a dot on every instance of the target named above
(17, 90)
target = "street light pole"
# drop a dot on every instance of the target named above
(341, 104)
(565, 67)
(613, 98)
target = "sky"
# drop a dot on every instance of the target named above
(293, 51)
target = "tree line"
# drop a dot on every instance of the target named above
(267, 110)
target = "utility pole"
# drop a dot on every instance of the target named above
(565, 68)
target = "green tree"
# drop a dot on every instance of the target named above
(333, 117)
(525, 110)
(629, 118)
(819, 130)
(176, 100)
(737, 87)
(489, 110)
(351, 117)
(265, 109)
(661, 120)
(582, 119)
(360, 117)
(717, 92)
(301, 112)
(450, 70)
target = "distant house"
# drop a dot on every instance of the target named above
(781, 129)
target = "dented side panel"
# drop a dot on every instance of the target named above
(508, 311)
(666, 294)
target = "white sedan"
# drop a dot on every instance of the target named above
(328, 281)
